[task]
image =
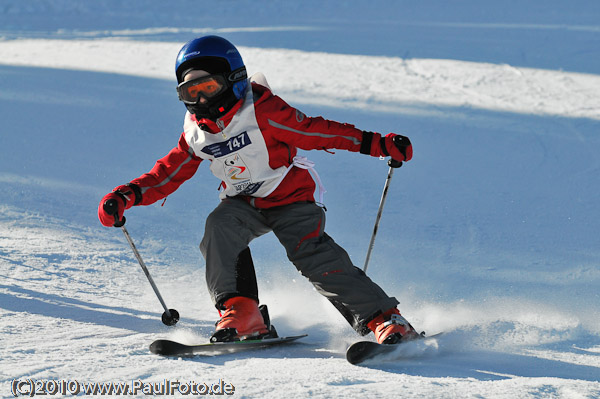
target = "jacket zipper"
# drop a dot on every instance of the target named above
(221, 126)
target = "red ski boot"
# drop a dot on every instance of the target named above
(390, 328)
(242, 319)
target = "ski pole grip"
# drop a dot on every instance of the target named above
(112, 208)
(392, 163)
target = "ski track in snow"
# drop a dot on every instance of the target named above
(496, 217)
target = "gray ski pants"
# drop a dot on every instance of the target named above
(300, 229)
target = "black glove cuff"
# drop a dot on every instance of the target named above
(367, 140)
(137, 191)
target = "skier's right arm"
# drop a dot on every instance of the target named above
(166, 176)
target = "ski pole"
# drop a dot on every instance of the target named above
(170, 317)
(393, 165)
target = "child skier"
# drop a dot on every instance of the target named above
(251, 137)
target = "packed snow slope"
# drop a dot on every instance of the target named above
(490, 233)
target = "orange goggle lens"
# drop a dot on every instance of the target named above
(207, 87)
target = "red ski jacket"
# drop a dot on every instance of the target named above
(284, 130)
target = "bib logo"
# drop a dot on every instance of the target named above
(237, 172)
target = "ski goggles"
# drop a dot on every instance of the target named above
(206, 86)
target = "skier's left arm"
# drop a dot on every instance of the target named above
(293, 127)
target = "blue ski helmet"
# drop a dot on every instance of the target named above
(213, 54)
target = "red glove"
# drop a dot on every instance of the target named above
(397, 146)
(126, 196)
(393, 145)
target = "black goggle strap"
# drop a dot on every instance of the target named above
(238, 75)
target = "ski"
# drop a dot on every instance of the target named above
(165, 347)
(362, 351)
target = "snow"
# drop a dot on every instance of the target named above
(489, 234)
